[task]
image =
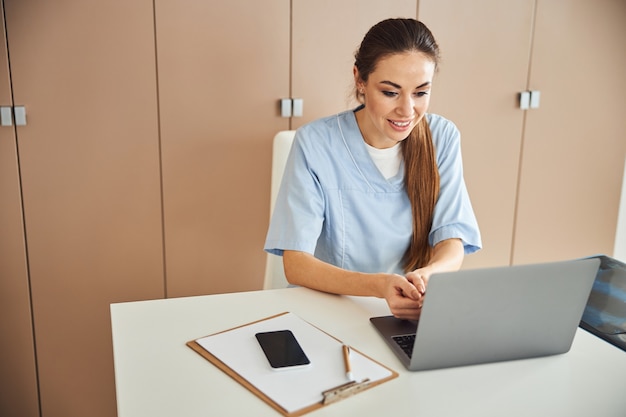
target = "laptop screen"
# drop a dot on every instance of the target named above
(605, 313)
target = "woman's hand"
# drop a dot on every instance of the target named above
(404, 298)
(447, 256)
(419, 278)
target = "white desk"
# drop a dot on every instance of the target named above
(158, 376)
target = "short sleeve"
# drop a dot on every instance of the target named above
(454, 216)
(298, 215)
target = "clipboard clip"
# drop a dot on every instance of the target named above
(344, 391)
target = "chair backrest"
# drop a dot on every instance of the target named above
(274, 273)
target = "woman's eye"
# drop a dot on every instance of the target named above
(390, 93)
(421, 93)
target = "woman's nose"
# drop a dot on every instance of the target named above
(405, 107)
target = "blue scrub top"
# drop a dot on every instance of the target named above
(335, 204)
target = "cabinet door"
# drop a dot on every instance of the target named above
(89, 160)
(18, 375)
(326, 34)
(223, 66)
(575, 142)
(485, 47)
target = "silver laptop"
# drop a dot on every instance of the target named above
(495, 314)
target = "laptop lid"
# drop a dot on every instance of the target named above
(495, 314)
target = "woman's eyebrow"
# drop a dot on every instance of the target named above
(398, 86)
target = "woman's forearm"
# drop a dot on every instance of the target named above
(447, 256)
(403, 296)
(305, 270)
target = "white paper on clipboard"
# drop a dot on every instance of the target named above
(293, 389)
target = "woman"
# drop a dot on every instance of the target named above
(373, 200)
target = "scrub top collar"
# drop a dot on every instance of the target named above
(353, 139)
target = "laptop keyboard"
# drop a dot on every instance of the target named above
(406, 342)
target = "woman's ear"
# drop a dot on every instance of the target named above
(358, 82)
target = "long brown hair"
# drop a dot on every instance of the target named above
(421, 177)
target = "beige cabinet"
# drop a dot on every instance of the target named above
(544, 182)
(574, 144)
(90, 180)
(222, 68)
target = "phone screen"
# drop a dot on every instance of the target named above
(282, 349)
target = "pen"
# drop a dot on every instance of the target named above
(346, 362)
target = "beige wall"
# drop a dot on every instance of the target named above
(620, 235)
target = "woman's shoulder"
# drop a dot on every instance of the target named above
(445, 135)
(326, 128)
(329, 122)
(443, 131)
(440, 125)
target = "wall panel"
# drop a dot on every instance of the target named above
(18, 374)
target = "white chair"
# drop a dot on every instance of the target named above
(274, 272)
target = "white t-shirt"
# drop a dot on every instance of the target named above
(387, 160)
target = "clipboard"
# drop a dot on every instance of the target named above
(236, 352)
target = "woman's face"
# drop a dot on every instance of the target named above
(396, 97)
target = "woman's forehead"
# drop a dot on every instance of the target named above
(407, 66)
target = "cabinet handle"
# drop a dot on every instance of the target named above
(20, 115)
(535, 96)
(291, 107)
(6, 116)
(298, 103)
(524, 100)
(529, 99)
(285, 107)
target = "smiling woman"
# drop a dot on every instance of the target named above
(373, 199)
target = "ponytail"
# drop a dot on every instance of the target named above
(421, 180)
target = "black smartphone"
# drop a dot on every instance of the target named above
(282, 350)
